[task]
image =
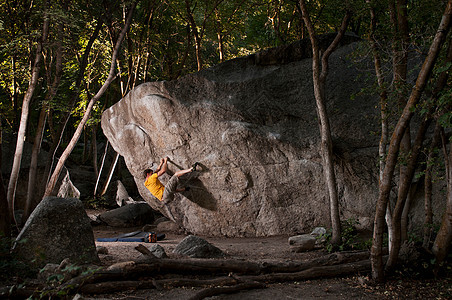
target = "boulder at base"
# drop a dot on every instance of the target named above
(197, 247)
(129, 215)
(303, 242)
(57, 229)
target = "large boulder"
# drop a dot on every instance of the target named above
(252, 124)
(57, 229)
(134, 214)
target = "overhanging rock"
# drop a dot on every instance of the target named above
(253, 127)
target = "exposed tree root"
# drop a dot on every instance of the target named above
(227, 290)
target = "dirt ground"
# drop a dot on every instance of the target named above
(270, 249)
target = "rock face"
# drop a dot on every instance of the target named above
(252, 124)
(57, 229)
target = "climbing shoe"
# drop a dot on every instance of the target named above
(193, 168)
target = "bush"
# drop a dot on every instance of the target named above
(350, 238)
(11, 266)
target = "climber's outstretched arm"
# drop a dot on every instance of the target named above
(163, 167)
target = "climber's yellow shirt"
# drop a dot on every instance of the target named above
(154, 185)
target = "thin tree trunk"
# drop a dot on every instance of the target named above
(398, 16)
(101, 168)
(319, 80)
(15, 96)
(219, 36)
(409, 170)
(184, 58)
(31, 193)
(391, 160)
(29, 205)
(5, 223)
(406, 211)
(442, 244)
(196, 34)
(383, 112)
(57, 137)
(111, 76)
(94, 147)
(110, 174)
(24, 118)
(428, 190)
(136, 72)
(404, 188)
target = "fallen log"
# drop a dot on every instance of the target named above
(131, 270)
(145, 251)
(128, 272)
(311, 273)
(363, 266)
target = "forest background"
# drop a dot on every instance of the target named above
(63, 62)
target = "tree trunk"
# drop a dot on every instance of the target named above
(76, 136)
(15, 96)
(218, 27)
(428, 190)
(196, 34)
(314, 272)
(441, 246)
(186, 52)
(400, 39)
(100, 169)
(29, 204)
(110, 174)
(391, 160)
(404, 188)
(31, 193)
(319, 80)
(383, 95)
(57, 137)
(94, 147)
(24, 118)
(5, 223)
(125, 275)
(406, 210)
(409, 170)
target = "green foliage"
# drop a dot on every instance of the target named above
(11, 266)
(96, 202)
(350, 238)
(55, 281)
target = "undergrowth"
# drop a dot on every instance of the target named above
(350, 238)
(11, 266)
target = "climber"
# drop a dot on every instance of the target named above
(161, 192)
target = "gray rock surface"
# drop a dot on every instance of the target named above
(197, 247)
(318, 231)
(158, 251)
(122, 196)
(301, 243)
(67, 188)
(56, 230)
(129, 215)
(320, 235)
(252, 124)
(168, 226)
